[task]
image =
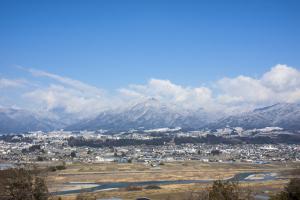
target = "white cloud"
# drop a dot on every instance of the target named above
(71, 100)
(83, 87)
(73, 96)
(168, 92)
(244, 89)
(7, 83)
(281, 78)
(227, 99)
(293, 96)
(280, 84)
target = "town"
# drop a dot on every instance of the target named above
(152, 147)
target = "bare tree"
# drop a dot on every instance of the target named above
(290, 192)
(223, 190)
(22, 184)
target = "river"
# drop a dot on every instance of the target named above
(241, 177)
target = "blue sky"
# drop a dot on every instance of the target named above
(207, 53)
(111, 44)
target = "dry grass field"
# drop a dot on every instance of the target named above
(189, 170)
(176, 192)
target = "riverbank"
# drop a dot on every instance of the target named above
(179, 178)
(76, 188)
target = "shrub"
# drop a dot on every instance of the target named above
(58, 167)
(85, 197)
(222, 190)
(133, 188)
(22, 184)
(152, 187)
(52, 168)
(290, 192)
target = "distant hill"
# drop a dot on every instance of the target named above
(149, 114)
(284, 115)
(152, 114)
(20, 121)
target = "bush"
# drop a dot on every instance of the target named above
(58, 167)
(133, 188)
(22, 184)
(52, 169)
(61, 167)
(152, 187)
(290, 192)
(223, 190)
(85, 197)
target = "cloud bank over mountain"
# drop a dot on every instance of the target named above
(280, 84)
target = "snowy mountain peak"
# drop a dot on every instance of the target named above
(153, 114)
(285, 115)
(14, 120)
(149, 114)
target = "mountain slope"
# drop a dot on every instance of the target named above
(148, 115)
(152, 114)
(20, 121)
(284, 115)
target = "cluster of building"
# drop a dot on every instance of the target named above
(54, 146)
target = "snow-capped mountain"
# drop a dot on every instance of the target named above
(152, 114)
(284, 115)
(19, 121)
(148, 115)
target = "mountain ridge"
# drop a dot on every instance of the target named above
(151, 114)
(19, 121)
(284, 115)
(148, 114)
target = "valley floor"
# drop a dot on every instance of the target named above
(81, 176)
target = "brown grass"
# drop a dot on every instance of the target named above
(190, 170)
